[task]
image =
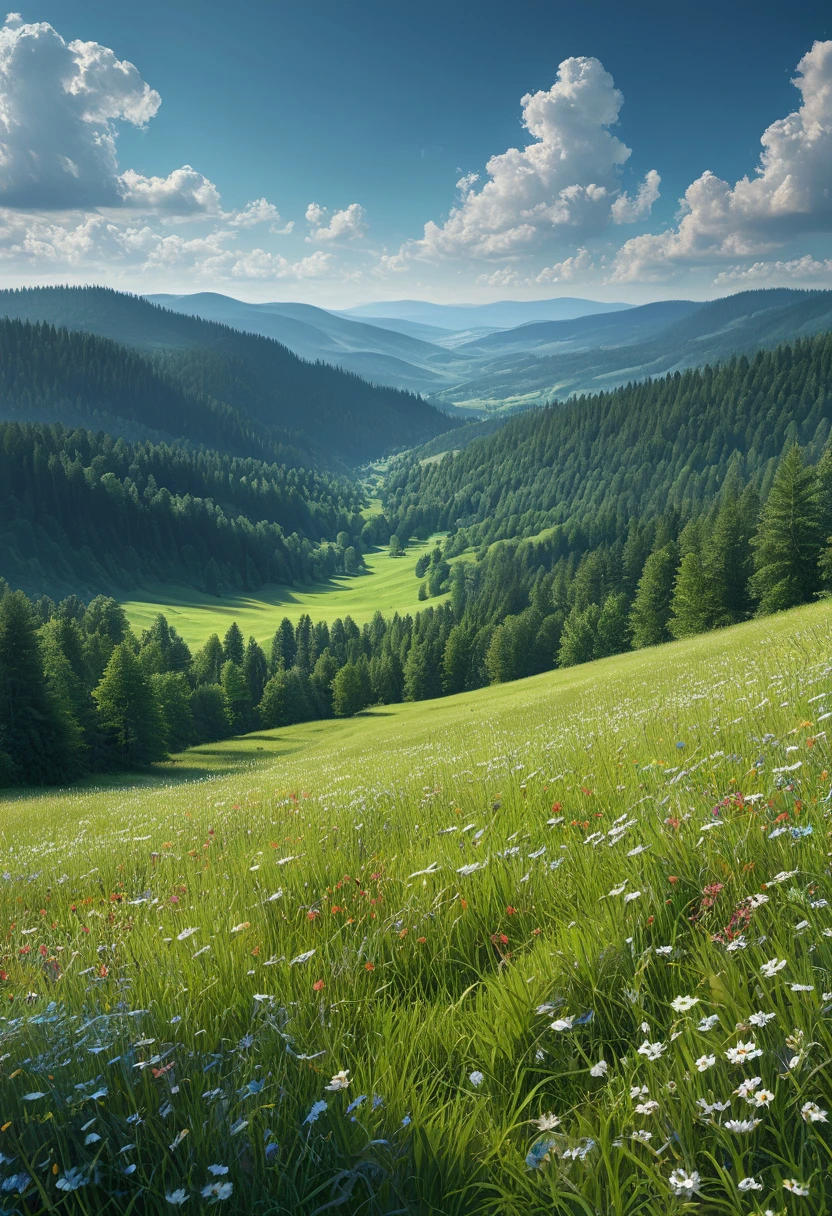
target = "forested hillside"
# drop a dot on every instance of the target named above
(89, 513)
(254, 383)
(619, 522)
(596, 462)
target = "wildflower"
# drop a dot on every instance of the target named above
(476, 1078)
(641, 1136)
(802, 987)
(600, 1069)
(746, 1088)
(652, 1051)
(770, 969)
(217, 1171)
(708, 1023)
(812, 1113)
(217, 1190)
(318, 986)
(762, 1098)
(302, 958)
(547, 1122)
(710, 1108)
(704, 1063)
(647, 1108)
(562, 1024)
(743, 1052)
(682, 1183)
(681, 1004)
(317, 1109)
(761, 1019)
(339, 1081)
(742, 1126)
(177, 1197)
(796, 1188)
(749, 1184)
(72, 1180)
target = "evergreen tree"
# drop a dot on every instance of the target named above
(283, 646)
(238, 707)
(174, 698)
(128, 710)
(37, 731)
(208, 709)
(233, 647)
(348, 692)
(456, 660)
(255, 670)
(692, 606)
(612, 635)
(650, 614)
(787, 545)
(208, 661)
(578, 639)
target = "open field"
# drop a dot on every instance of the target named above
(390, 586)
(562, 945)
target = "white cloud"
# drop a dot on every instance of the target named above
(790, 194)
(794, 270)
(343, 225)
(567, 183)
(185, 192)
(259, 211)
(58, 105)
(570, 268)
(627, 210)
(258, 264)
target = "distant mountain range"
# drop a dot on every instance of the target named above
(504, 314)
(219, 381)
(467, 358)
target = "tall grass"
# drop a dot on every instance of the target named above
(480, 909)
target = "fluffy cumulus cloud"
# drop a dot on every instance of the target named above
(790, 194)
(59, 103)
(343, 225)
(576, 266)
(66, 206)
(566, 184)
(792, 270)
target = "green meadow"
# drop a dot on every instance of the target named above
(388, 586)
(557, 946)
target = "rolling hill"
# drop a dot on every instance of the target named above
(333, 416)
(534, 364)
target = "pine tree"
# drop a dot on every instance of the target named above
(692, 606)
(174, 697)
(233, 647)
(456, 660)
(238, 706)
(128, 710)
(37, 731)
(651, 608)
(208, 661)
(255, 670)
(787, 545)
(348, 692)
(612, 635)
(283, 646)
(579, 637)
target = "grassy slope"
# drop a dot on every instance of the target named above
(420, 988)
(391, 586)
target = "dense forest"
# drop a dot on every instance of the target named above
(572, 533)
(595, 462)
(140, 365)
(79, 692)
(79, 510)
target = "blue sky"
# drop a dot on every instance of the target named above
(321, 139)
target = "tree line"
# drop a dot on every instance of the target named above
(85, 510)
(79, 692)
